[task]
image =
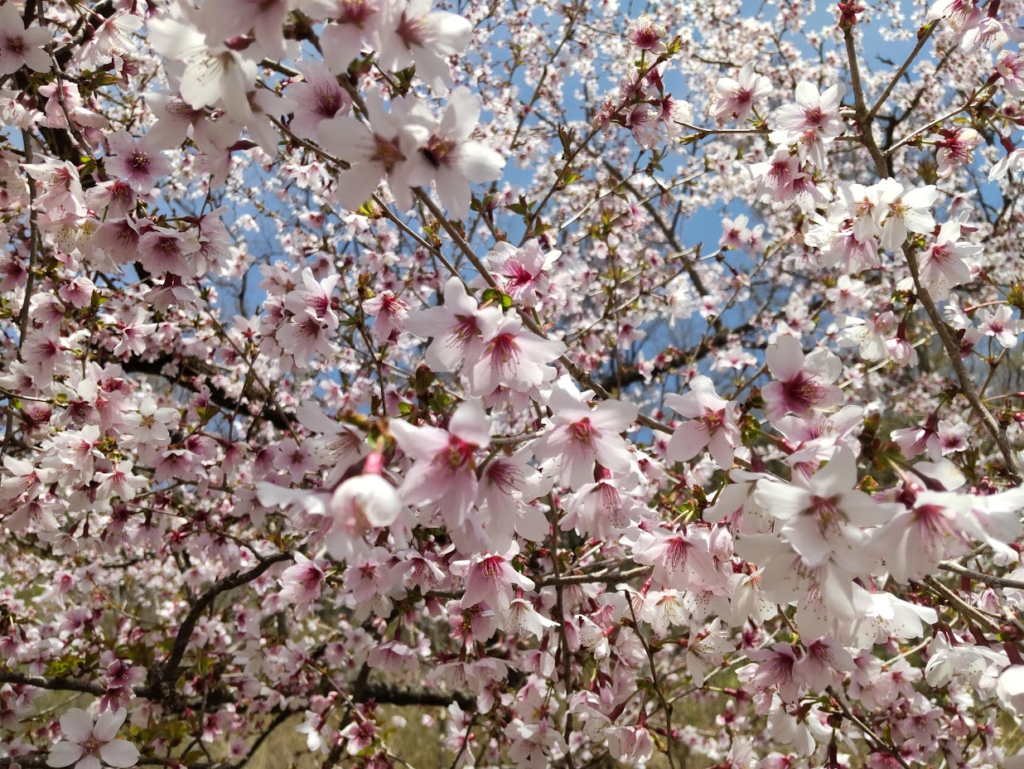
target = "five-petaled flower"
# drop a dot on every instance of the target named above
(90, 745)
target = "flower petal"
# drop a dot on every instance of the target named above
(120, 753)
(76, 725)
(108, 724)
(64, 754)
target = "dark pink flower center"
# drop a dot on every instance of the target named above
(583, 433)
(411, 31)
(802, 392)
(139, 161)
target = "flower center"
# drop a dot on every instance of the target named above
(803, 391)
(437, 150)
(139, 161)
(411, 31)
(582, 433)
(387, 152)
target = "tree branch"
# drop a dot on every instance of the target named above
(173, 663)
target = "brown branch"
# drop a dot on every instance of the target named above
(190, 368)
(922, 38)
(173, 663)
(980, 576)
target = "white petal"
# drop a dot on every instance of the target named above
(76, 725)
(64, 754)
(781, 500)
(358, 184)
(89, 762)
(687, 442)
(108, 724)
(120, 753)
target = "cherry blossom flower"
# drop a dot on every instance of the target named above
(305, 335)
(150, 423)
(803, 384)
(459, 328)
(21, 47)
(522, 618)
(1000, 325)
(706, 649)
(904, 211)
(681, 560)
(213, 72)
(1010, 66)
(163, 250)
(359, 735)
(515, 358)
(917, 539)
(301, 583)
(412, 33)
(385, 148)
(778, 668)
(954, 148)
(353, 21)
(453, 160)
(943, 264)
(812, 122)
(632, 744)
(581, 436)
(490, 579)
(135, 162)
(646, 35)
(526, 270)
(90, 745)
(826, 519)
(63, 199)
(359, 505)
(444, 472)
(317, 98)
(736, 98)
(389, 312)
(872, 337)
(711, 424)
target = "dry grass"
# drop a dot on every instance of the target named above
(422, 746)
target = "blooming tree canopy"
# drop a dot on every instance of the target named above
(555, 366)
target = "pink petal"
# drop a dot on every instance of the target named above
(108, 724)
(120, 753)
(64, 754)
(76, 725)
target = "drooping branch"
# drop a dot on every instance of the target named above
(171, 667)
(190, 369)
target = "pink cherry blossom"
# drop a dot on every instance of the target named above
(444, 471)
(459, 328)
(515, 358)
(412, 33)
(301, 582)
(712, 424)
(736, 98)
(135, 162)
(526, 270)
(21, 47)
(581, 436)
(803, 384)
(386, 148)
(90, 745)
